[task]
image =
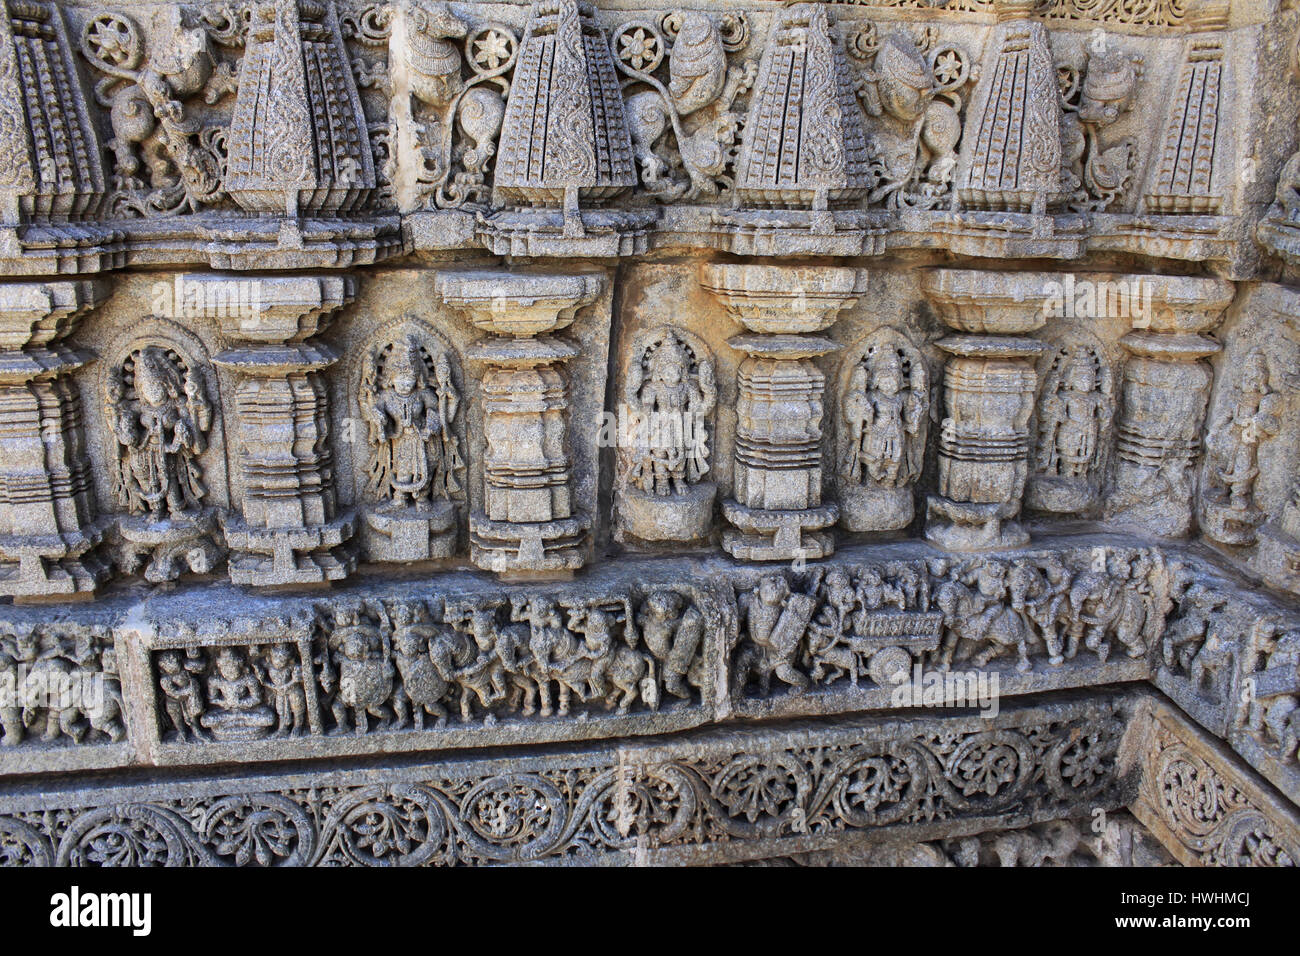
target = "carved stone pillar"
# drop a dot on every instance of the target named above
(528, 524)
(777, 513)
(289, 530)
(1163, 400)
(989, 386)
(48, 533)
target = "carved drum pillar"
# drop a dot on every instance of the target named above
(1163, 400)
(777, 513)
(289, 531)
(989, 385)
(48, 532)
(528, 524)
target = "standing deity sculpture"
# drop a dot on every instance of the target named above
(671, 390)
(1252, 415)
(160, 414)
(409, 401)
(1075, 410)
(885, 407)
(161, 429)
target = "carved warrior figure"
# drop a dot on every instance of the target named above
(410, 403)
(1075, 410)
(160, 415)
(696, 105)
(1253, 415)
(885, 408)
(914, 118)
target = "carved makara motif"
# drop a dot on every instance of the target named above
(1252, 414)
(298, 141)
(695, 106)
(145, 97)
(803, 144)
(885, 407)
(670, 393)
(1076, 410)
(565, 138)
(410, 403)
(912, 96)
(1094, 174)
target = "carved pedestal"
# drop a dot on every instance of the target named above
(288, 531)
(48, 533)
(1163, 401)
(777, 513)
(528, 524)
(989, 386)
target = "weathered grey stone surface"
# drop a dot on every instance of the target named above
(812, 433)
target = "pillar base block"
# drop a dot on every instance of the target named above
(761, 535)
(973, 526)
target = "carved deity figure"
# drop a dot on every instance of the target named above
(885, 411)
(410, 402)
(160, 415)
(672, 390)
(1233, 442)
(1071, 417)
(236, 710)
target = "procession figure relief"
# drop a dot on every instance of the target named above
(885, 404)
(671, 390)
(160, 416)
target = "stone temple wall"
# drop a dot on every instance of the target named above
(796, 433)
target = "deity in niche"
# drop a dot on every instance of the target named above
(1075, 408)
(409, 400)
(671, 390)
(160, 415)
(1253, 415)
(885, 404)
